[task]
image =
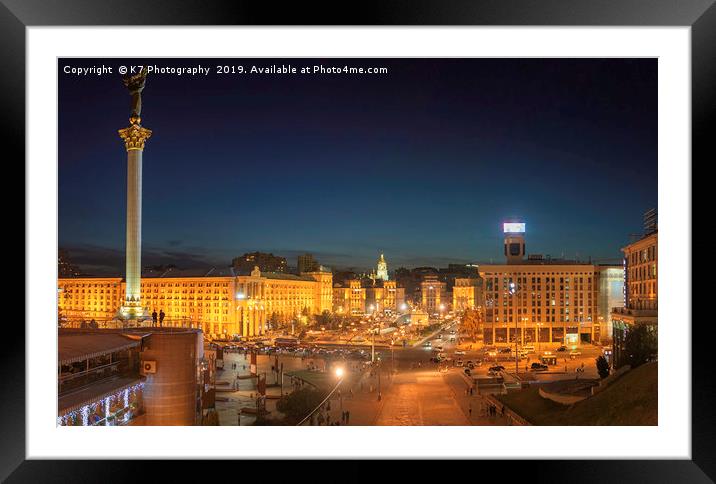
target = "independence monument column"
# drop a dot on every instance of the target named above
(134, 138)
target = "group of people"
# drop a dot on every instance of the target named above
(161, 316)
(324, 417)
(492, 410)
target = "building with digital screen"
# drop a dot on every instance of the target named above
(553, 300)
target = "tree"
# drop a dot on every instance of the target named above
(472, 322)
(602, 366)
(297, 405)
(325, 319)
(640, 345)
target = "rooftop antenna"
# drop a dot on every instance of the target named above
(210, 271)
(650, 221)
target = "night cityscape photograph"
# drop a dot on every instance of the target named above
(357, 242)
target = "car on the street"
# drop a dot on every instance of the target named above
(427, 344)
(459, 363)
(467, 371)
(538, 367)
(562, 348)
(459, 352)
(439, 348)
(506, 350)
(575, 353)
(497, 368)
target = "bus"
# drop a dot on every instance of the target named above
(285, 342)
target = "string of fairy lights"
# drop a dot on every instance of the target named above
(101, 411)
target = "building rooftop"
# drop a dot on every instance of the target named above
(76, 346)
(287, 277)
(202, 272)
(84, 396)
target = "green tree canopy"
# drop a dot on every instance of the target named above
(640, 345)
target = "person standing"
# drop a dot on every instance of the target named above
(469, 410)
(161, 317)
(348, 416)
(154, 317)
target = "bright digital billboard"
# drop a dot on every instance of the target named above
(513, 228)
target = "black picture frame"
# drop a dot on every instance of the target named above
(700, 15)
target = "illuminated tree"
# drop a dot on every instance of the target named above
(472, 322)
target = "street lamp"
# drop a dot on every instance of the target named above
(513, 291)
(339, 374)
(539, 343)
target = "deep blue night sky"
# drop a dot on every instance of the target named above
(423, 163)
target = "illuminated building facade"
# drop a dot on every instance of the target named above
(349, 298)
(640, 292)
(433, 295)
(382, 269)
(87, 298)
(467, 293)
(554, 302)
(540, 300)
(611, 295)
(222, 305)
(385, 296)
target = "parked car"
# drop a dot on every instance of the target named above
(538, 367)
(506, 350)
(562, 348)
(459, 352)
(575, 353)
(467, 371)
(459, 363)
(497, 368)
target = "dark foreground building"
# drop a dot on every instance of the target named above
(143, 376)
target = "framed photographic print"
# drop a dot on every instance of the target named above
(433, 228)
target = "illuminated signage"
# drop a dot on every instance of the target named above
(513, 228)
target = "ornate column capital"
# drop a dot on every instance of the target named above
(135, 136)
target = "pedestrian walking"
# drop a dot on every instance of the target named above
(469, 410)
(348, 416)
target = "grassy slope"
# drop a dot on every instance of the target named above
(630, 400)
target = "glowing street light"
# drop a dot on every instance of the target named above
(339, 372)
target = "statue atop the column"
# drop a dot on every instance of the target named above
(135, 84)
